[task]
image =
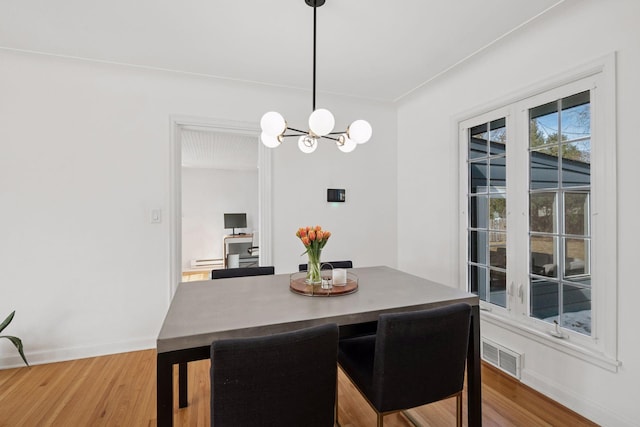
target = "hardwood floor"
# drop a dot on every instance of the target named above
(192, 276)
(119, 390)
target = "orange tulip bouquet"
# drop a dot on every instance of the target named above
(313, 239)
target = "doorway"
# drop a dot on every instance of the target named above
(233, 153)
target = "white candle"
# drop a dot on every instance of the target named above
(339, 276)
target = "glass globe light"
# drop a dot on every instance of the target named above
(345, 144)
(269, 141)
(307, 144)
(273, 124)
(360, 131)
(321, 122)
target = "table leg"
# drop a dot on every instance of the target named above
(474, 386)
(164, 392)
(183, 397)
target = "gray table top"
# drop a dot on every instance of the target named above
(201, 312)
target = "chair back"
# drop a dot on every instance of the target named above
(242, 272)
(329, 265)
(420, 356)
(286, 379)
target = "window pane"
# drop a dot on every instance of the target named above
(497, 136)
(478, 177)
(543, 125)
(576, 306)
(544, 255)
(478, 281)
(578, 151)
(544, 168)
(478, 247)
(478, 211)
(498, 213)
(543, 212)
(544, 299)
(478, 137)
(498, 289)
(576, 213)
(576, 261)
(576, 163)
(498, 180)
(576, 116)
(498, 249)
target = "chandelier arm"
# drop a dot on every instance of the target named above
(330, 137)
(302, 132)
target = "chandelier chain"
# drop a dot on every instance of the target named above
(313, 107)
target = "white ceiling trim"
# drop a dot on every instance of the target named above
(477, 52)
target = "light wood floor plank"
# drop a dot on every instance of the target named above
(120, 390)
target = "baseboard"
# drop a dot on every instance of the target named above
(567, 397)
(72, 353)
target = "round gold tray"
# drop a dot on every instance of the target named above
(298, 285)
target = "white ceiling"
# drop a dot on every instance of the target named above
(372, 49)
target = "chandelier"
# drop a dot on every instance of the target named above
(321, 122)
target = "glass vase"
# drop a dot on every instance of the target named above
(313, 268)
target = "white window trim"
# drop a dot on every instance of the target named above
(601, 348)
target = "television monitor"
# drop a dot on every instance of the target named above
(235, 220)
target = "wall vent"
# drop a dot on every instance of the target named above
(501, 357)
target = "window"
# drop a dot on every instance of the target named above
(538, 231)
(487, 230)
(559, 212)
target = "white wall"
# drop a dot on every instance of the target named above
(207, 194)
(363, 228)
(571, 35)
(85, 157)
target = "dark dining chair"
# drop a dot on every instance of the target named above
(286, 379)
(329, 265)
(242, 272)
(415, 358)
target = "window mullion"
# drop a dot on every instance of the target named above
(519, 179)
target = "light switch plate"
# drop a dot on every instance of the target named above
(156, 216)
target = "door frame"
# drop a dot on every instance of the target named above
(177, 124)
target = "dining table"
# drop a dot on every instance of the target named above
(204, 311)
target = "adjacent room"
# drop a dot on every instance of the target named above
(348, 160)
(219, 201)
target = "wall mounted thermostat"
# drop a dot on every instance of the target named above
(336, 195)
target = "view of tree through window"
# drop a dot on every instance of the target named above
(559, 211)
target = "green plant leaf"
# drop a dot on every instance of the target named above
(18, 343)
(6, 321)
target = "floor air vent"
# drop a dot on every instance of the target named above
(501, 357)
